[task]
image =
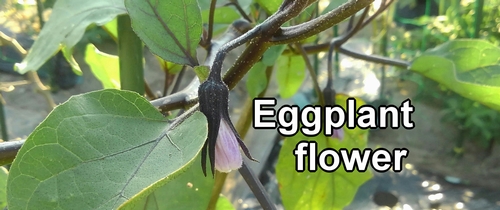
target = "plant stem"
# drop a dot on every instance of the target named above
(8, 151)
(130, 56)
(3, 122)
(211, 21)
(258, 190)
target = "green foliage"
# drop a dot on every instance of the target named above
(257, 80)
(202, 72)
(53, 35)
(100, 149)
(171, 29)
(468, 67)
(189, 190)
(271, 6)
(320, 190)
(3, 186)
(104, 66)
(223, 204)
(290, 75)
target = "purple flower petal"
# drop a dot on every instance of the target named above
(338, 133)
(227, 150)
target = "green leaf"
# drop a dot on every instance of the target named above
(331, 5)
(320, 190)
(271, 6)
(98, 150)
(3, 187)
(112, 28)
(189, 190)
(202, 72)
(105, 67)
(291, 73)
(171, 29)
(66, 26)
(257, 80)
(223, 204)
(68, 55)
(224, 15)
(272, 54)
(468, 67)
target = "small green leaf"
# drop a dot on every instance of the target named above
(67, 28)
(202, 72)
(171, 68)
(68, 55)
(105, 67)
(291, 73)
(171, 29)
(271, 6)
(272, 54)
(189, 190)
(331, 6)
(222, 15)
(468, 67)
(3, 187)
(320, 190)
(257, 80)
(98, 150)
(223, 204)
(112, 28)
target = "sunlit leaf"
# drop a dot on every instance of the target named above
(320, 190)
(98, 150)
(105, 67)
(66, 26)
(189, 190)
(170, 29)
(3, 186)
(112, 28)
(202, 72)
(222, 15)
(68, 55)
(271, 6)
(223, 204)
(468, 67)
(331, 5)
(290, 74)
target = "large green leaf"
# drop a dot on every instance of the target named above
(469, 67)
(105, 67)
(171, 29)
(98, 150)
(320, 190)
(291, 73)
(189, 190)
(66, 26)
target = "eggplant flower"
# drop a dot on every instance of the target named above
(223, 142)
(338, 133)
